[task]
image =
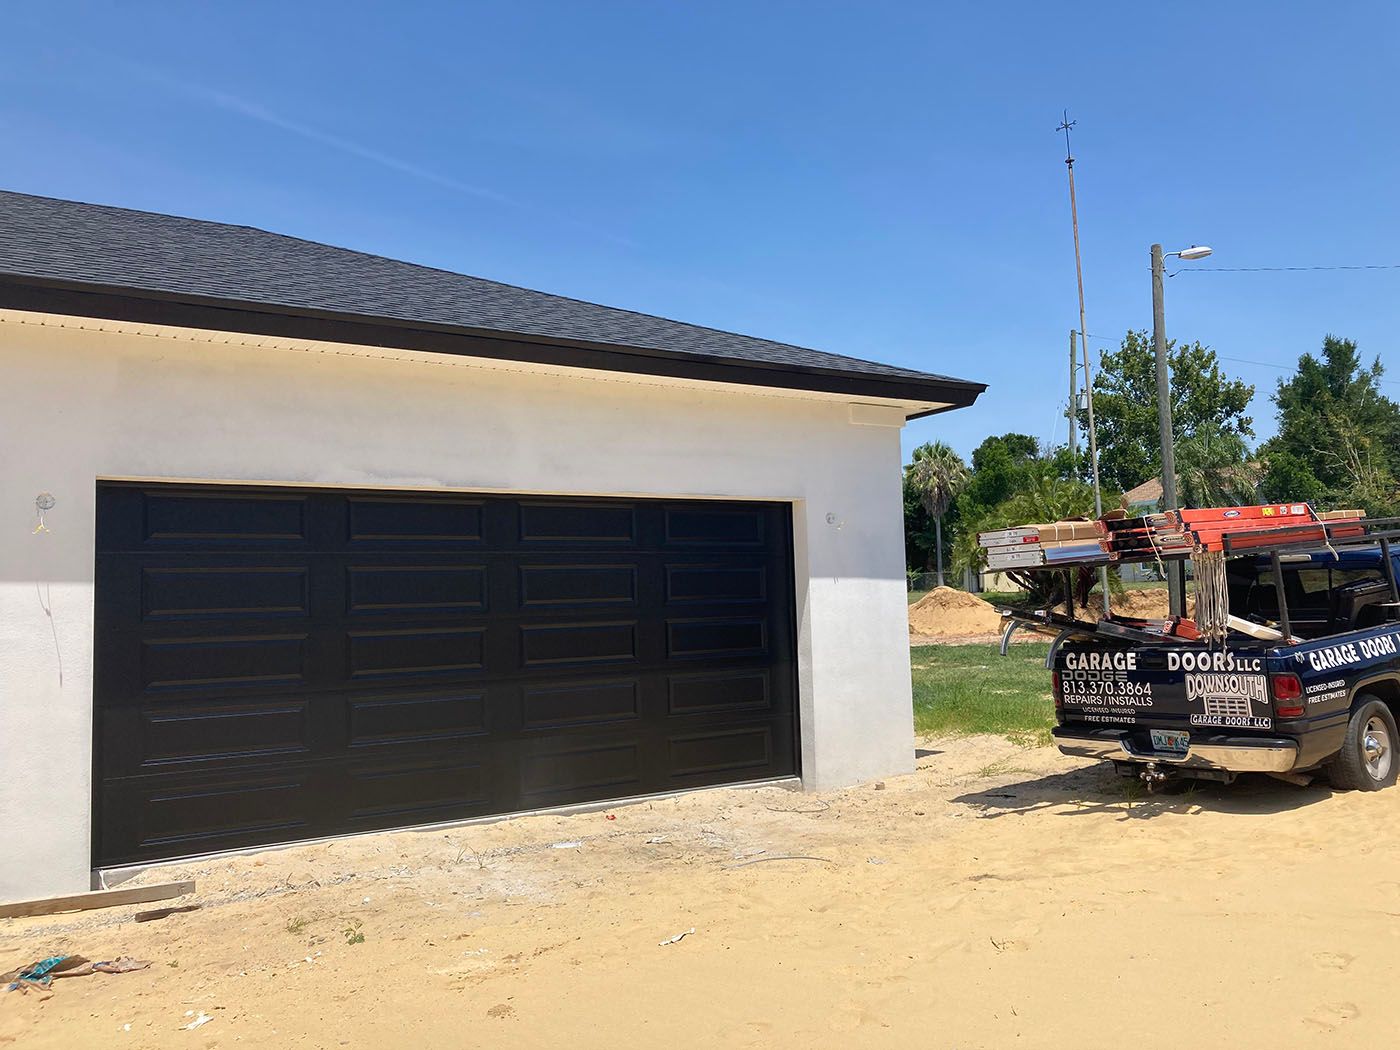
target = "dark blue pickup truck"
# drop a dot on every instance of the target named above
(1319, 696)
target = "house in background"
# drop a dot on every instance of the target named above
(1145, 499)
(304, 542)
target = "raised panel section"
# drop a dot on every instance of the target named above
(205, 593)
(191, 663)
(581, 704)
(730, 750)
(424, 651)
(564, 585)
(414, 521)
(577, 523)
(214, 519)
(718, 691)
(579, 770)
(198, 817)
(578, 643)
(715, 527)
(417, 791)
(200, 732)
(397, 719)
(416, 588)
(717, 637)
(715, 583)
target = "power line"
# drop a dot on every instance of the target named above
(1285, 269)
(1284, 368)
(1238, 360)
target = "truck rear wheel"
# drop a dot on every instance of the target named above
(1367, 760)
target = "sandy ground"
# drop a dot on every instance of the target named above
(949, 617)
(996, 897)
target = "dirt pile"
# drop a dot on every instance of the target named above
(1149, 603)
(947, 612)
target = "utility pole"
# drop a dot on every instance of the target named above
(1065, 125)
(1176, 572)
(1072, 413)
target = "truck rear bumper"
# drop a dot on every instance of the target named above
(1230, 754)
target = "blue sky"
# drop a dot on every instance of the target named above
(881, 180)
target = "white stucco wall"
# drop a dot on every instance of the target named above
(80, 405)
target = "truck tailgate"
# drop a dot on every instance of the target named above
(1164, 686)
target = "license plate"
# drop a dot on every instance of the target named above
(1170, 740)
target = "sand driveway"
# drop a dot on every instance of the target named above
(998, 897)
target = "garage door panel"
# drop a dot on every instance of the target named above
(398, 522)
(707, 525)
(182, 733)
(356, 660)
(416, 789)
(222, 519)
(210, 519)
(577, 523)
(165, 737)
(223, 661)
(198, 592)
(185, 815)
(415, 590)
(720, 752)
(553, 644)
(580, 704)
(717, 636)
(579, 770)
(392, 720)
(740, 689)
(710, 582)
(566, 586)
(413, 652)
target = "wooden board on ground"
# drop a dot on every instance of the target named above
(97, 899)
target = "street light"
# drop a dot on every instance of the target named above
(1176, 576)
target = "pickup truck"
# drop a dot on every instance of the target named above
(1319, 697)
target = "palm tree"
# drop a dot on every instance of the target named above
(1213, 470)
(936, 474)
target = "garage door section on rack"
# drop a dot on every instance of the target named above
(275, 664)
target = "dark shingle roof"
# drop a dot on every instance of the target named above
(145, 253)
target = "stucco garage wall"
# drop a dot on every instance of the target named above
(82, 405)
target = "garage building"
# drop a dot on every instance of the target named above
(304, 542)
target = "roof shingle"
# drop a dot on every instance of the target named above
(47, 239)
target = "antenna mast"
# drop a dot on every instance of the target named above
(1065, 126)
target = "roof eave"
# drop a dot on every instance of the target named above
(139, 306)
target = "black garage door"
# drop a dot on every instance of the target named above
(277, 664)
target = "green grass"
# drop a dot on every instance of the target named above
(973, 689)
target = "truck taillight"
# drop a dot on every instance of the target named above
(1288, 695)
(1055, 688)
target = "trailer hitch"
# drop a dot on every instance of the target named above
(1153, 777)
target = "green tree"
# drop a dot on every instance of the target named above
(1206, 405)
(1213, 470)
(999, 466)
(999, 470)
(1338, 436)
(935, 474)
